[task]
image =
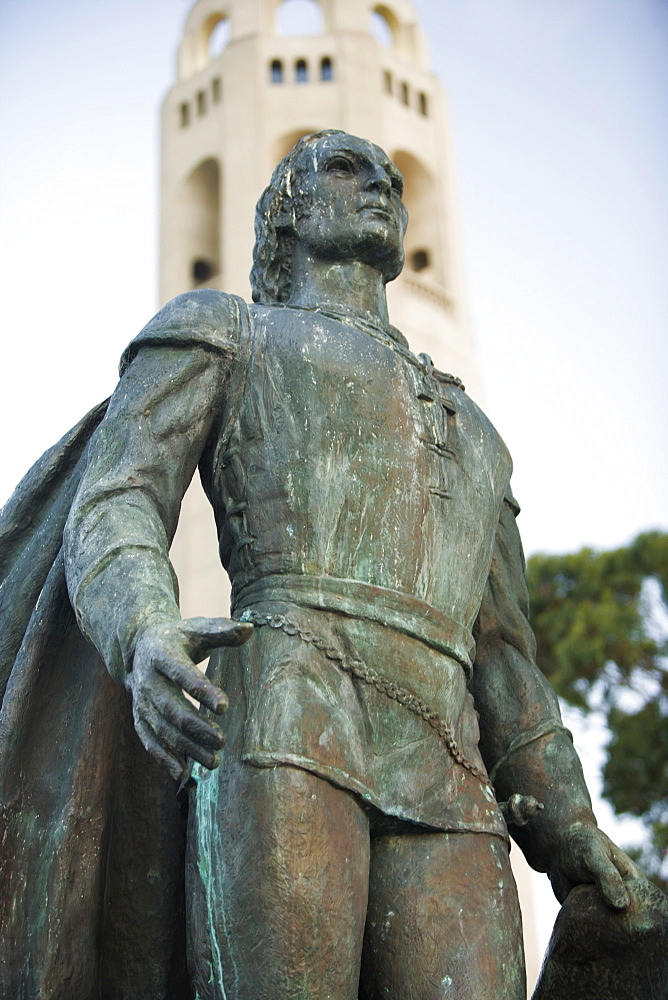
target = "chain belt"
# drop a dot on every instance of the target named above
(359, 670)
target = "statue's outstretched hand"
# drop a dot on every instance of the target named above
(585, 855)
(163, 667)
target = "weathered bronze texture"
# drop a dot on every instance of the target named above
(348, 817)
(596, 953)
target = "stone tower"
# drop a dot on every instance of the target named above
(246, 90)
(231, 116)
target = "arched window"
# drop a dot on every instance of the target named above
(219, 37)
(277, 71)
(405, 96)
(423, 103)
(201, 102)
(326, 69)
(184, 114)
(301, 71)
(216, 89)
(299, 17)
(199, 202)
(423, 239)
(381, 27)
(419, 260)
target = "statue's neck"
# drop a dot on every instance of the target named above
(346, 286)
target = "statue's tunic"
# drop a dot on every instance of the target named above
(360, 483)
(358, 494)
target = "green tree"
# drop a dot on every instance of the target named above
(601, 624)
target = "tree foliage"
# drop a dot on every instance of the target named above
(601, 624)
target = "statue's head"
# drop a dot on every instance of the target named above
(341, 192)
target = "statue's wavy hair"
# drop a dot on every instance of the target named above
(277, 210)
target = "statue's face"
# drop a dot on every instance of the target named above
(352, 208)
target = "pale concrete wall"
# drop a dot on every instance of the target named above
(246, 130)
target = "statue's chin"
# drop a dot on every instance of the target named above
(393, 272)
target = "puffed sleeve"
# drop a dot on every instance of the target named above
(170, 399)
(524, 745)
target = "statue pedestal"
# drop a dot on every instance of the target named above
(596, 953)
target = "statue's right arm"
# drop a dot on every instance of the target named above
(526, 748)
(117, 539)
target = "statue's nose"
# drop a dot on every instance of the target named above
(379, 181)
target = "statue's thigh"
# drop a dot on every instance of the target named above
(278, 884)
(443, 920)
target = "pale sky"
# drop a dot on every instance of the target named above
(560, 133)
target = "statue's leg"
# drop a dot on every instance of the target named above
(279, 885)
(443, 920)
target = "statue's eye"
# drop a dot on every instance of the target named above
(340, 165)
(398, 186)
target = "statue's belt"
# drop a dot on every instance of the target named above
(366, 601)
(339, 598)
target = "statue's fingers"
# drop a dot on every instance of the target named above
(608, 880)
(627, 868)
(170, 703)
(205, 634)
(175, 767)
(185, 675)
(174, 742)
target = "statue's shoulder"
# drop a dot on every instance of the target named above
(204, 317)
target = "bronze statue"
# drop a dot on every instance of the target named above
(344, 838)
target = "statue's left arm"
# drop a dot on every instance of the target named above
(168, 405)
(526, 748)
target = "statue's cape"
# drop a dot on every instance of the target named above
(91, 831)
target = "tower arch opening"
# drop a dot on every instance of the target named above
(423, 239)
(384, 26)
(299, 17)
(392, 26)
(220, 33)
(208, 30)
(199, 204)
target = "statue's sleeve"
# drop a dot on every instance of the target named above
(524, 745)
(170, 399)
